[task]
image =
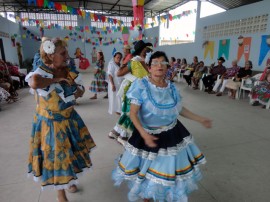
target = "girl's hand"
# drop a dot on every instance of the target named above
(149, 140)
(207, 123)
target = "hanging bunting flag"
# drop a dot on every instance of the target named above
(32, 1)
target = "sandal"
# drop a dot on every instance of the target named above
(93, 98)
(72, 189)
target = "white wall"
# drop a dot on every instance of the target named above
(188, 51)
(10, 28)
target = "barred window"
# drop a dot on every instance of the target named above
(48, 19)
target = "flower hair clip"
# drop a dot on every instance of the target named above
(48, 47)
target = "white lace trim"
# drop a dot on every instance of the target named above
(123, 85)
(188, 176)
(46, 91)
(155, 110)
(137, 58)
(170, 151)
(135, 102)
(123, 133)
(59, 187)
(161, 129)
(79, 80)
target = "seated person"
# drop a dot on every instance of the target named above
(6, 81)
(190, 70)
(178, 64)
(243, 73)
(6, 97)
(199, 71)
(229, 74)
(209, 80)
(14, 71)
(172, 61)
(172, 69)
(261, 93)
(183, 65)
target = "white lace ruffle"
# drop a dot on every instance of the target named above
(154, 109)
(59, 187)
(161, 129)
(170, 151)
(185, 177)
(78, 80)
(46, 91)
(122, 132)
(137, 58)
(135, 102)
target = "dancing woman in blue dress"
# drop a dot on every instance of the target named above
(161, 160)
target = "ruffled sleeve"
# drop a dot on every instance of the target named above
(43, 72)
(134, 93)
(66, 93)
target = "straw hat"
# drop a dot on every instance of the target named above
(127, 47)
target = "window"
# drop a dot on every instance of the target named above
(48, 19)
(181, 30)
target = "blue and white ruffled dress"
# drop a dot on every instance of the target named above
(169, 171)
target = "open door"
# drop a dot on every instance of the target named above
(2, 55)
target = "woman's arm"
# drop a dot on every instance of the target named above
(148, 139)
(112, 83)
(79, 93)
(190, 115)
(39, 82)
(123, 71)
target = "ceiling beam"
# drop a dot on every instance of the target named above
(115, 5)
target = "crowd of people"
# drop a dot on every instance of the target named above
(217, 78)
(10, 81)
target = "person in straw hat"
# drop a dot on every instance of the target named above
(136, 68)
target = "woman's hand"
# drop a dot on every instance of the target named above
(63, 80)
(113, 88)
(149, 140)
(207, 123)
(79, 92)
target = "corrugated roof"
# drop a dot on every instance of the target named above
(117, 7)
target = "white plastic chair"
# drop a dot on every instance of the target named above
(201, 85)
(267, 106)
(243, 88)
(179, 76)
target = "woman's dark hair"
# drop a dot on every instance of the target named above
(178, 60)
(173, 59)
(158, 54)
(184, 60)
(101, 56)
(250, 64)
(117, 53)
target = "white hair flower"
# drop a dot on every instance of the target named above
(48, 47)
